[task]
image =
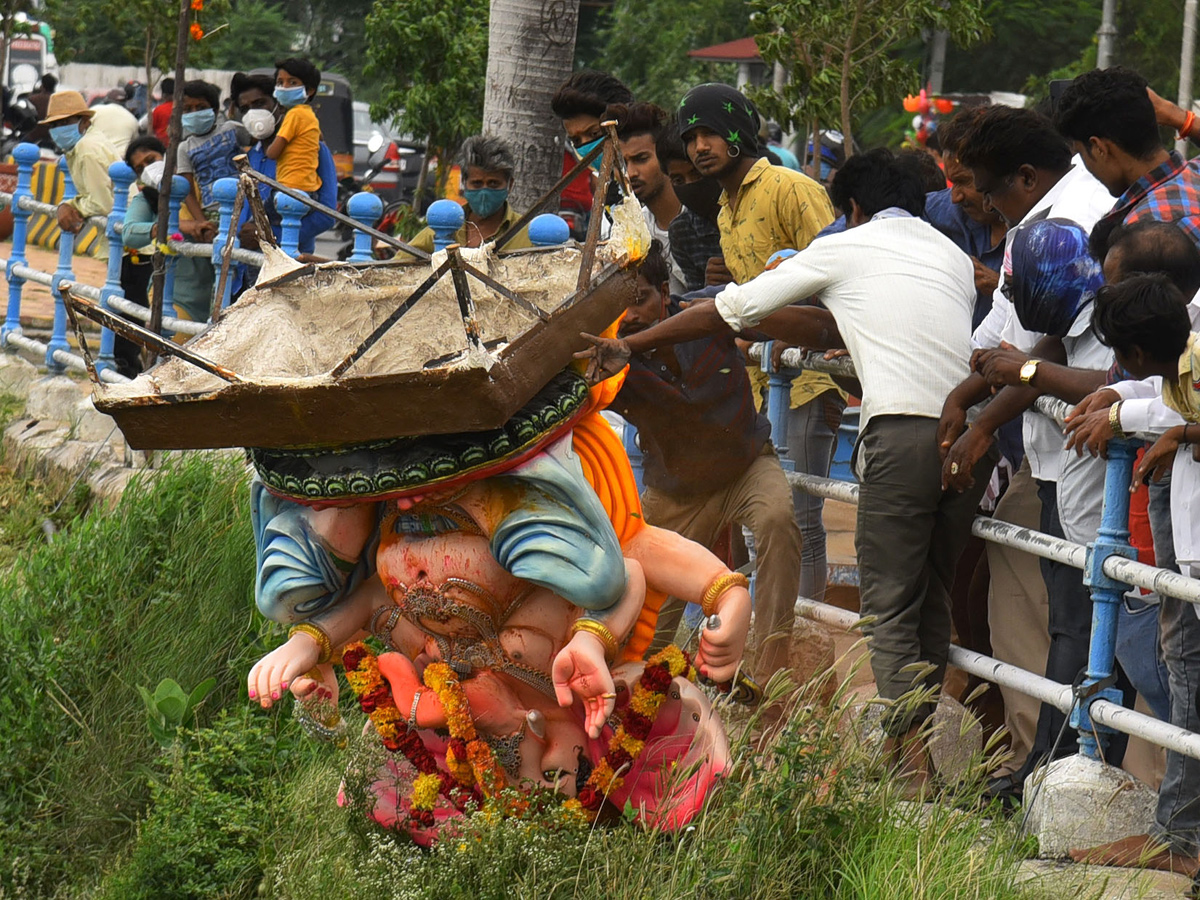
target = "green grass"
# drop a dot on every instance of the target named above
(162, 586)
(816, 817)
(29, 498)
(159, 587)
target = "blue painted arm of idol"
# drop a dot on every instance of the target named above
(297, 576)
(559, 536)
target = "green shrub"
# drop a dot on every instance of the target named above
(161, 586)
(203, 833)
(815, 817)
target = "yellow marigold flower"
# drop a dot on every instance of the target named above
(389, 715)
(632, 746)
(425, 791)
(646, 703)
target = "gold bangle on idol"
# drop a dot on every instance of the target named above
(717, 587)
(598, 629)
(318, 635)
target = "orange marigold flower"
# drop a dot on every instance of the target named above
(197, 5)
(196, 31)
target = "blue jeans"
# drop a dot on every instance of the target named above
(1177, 818)
(1139, 655)
(811, 441)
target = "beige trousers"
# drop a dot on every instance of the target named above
(1018, 612)
(762, 501)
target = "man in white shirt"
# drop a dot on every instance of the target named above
(899, 296)
(1025, 171)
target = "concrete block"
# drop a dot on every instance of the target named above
(91, 424)
(1077, 802)
(955, 741)
(74, 456)
(54, 397)
(34, 436)
(108, 482)
(16, 375)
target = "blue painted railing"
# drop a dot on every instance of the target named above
(364, 208)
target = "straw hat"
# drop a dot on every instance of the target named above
(64, 105)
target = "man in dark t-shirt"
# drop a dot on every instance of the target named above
(709, 461)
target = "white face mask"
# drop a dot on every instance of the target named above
(152, 173)
(259, 122)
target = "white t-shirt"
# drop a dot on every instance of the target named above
(902, 294)
(1081, 478)
(675, 276)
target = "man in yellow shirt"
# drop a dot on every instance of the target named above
(764, 209)
(88, 153)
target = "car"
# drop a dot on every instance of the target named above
(397, 178)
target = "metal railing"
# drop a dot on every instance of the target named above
(57, 353)
(1109, 566)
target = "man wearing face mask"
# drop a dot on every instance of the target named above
(210, 143)
(486, 164)
(695, 237)
(253, 98)
(88, 155)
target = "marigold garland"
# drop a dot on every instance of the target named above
(628, 741)
(469, 759)
(375, 699)
(488, 774)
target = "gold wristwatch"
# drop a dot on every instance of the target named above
(1028, 370)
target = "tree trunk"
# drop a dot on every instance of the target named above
(10, 10)
(531, 48)
(847, 61)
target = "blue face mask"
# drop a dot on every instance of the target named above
(581, 152)
(66, 136)
(291, 96)
(201, 121)
(486, 201)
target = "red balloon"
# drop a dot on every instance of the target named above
(943, 105)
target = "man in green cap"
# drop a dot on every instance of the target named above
(764, 209)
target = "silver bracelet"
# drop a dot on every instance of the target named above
(412, 715)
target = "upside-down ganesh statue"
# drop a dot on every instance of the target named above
(512, 586)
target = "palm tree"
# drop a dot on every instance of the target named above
(531, 47)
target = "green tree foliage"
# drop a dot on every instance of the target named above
(333, 34)
(1029, 39)
(843, 57)
(646, 44)
(429, 60)
(141, 32)
(258, 33)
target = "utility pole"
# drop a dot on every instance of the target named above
(937, 61)
(1106, 35)
(1187, 60)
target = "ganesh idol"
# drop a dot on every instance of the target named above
(492, 598)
